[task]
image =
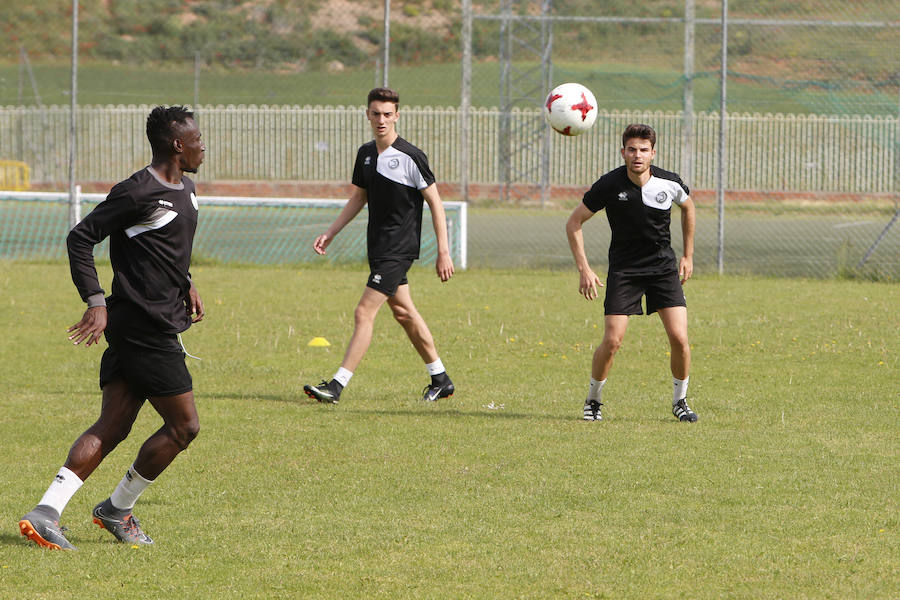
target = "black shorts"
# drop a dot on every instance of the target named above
(624, 292)
(387, 274)
(152, 364)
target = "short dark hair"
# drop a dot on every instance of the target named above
(163, 127)
(383, 94)
(639, 130)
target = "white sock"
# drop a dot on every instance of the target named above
(61, 490)
(596, 389)
(129, 489)
(680, 389)
(343, 376)
(436, 367)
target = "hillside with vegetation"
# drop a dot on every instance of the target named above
(298, 35)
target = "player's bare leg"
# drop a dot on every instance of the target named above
(675, 321)
(329, 392)
(413, 324)
(406, 314)
(180, 426)
(363, 326)
(614, 327)
(118, 411)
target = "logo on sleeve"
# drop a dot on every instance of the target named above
(368, 161)
(623, 197)
(394, 163)
(166, 203)
(660, 197)
(194, 201)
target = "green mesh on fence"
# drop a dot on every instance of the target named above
(245, 232)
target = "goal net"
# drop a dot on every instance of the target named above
(230, 230)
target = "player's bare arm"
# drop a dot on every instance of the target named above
(355, 204)
(589, 283)
(90, 328)
(444, 263)
(688, 224)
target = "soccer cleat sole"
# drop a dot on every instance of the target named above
(313, 396)
(27, 529)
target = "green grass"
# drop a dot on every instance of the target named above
(616, 85)
(787, 487)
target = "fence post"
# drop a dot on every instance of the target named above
(73, 133)
(466, 100)
(687, 133)
(723, 106)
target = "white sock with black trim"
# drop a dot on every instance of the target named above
(61, 490)
(595, 391)
(680, 387)
(129, 490)
(343, 376)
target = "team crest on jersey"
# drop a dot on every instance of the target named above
(194, 201)
(623, 197)
(394, 163)
(660, 197)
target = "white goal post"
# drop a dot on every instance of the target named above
(242, 229)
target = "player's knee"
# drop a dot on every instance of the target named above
(613, 343)
(185, 433)
(363, 315)
(402, 315)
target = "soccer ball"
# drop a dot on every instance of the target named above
(571, 109)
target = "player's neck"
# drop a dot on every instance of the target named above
(168, 171)
(384, 142)
(639, 179)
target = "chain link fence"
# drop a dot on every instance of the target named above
(810, 177)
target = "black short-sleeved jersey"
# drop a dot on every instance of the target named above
(150, 224)
(639, 218)
(393, 181)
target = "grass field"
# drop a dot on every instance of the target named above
(786, 488)
(613, 84)
(784, 240)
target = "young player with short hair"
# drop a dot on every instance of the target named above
(150, 219)
(638, 198)
(393, 177)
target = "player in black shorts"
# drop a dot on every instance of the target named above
(394, 178)
(150, 219)
(638, 199)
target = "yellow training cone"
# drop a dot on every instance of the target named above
(319, 342)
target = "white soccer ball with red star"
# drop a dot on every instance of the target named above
(570, 109)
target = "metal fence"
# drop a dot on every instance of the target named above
(803, 97)
(853, 156)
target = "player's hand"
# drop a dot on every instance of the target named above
(90, 327)
(589, 284)
(685, 268)
(195, 305)
(444, 266)
(321, 243)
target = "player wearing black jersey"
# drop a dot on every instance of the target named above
(638, 198)
(150, 219)
(394, 178)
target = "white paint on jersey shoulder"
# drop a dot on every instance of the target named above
(399, 167)
(660, 193)
(160, 218)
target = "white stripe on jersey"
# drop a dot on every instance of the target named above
(161, 218)
(661, 193)
(400, 168)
